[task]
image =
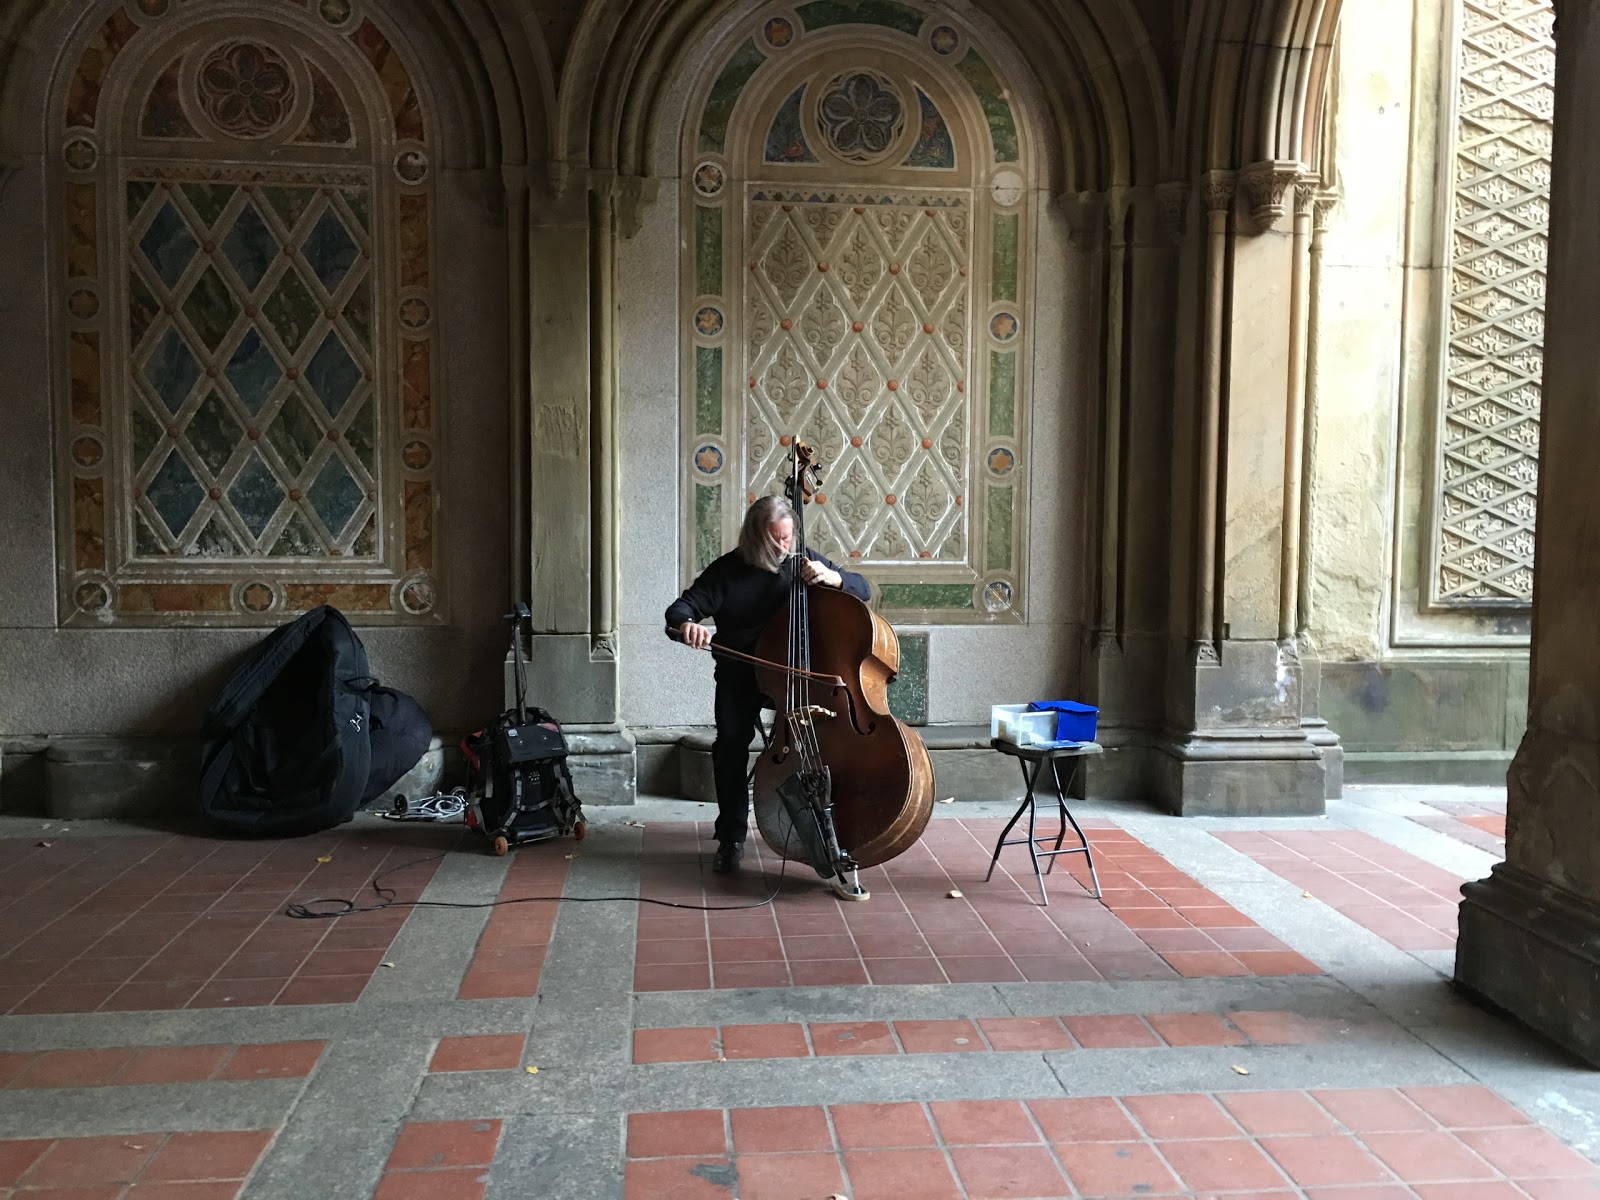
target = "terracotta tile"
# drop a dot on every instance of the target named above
(1525, 1152)
(1055, 968)
(1141, 964)
(17, 1156)
(1151, 918)
(78, 1162)
(1110, 1032)
(1202, 964)
(104, 1191)
(1561, 1189)
(864, 1037)
(238, 993)
(1003, 1172)
(745, 949)
(1373, 1110)
(1370, 1191)
(1426, 1157)
(750, 974)
(900, 1175)
(1025, 1033)
(13, 1063)
(1195, 1029)
(690, 977)
(213, 1190)
(786, 1176)
(827, 972)
(938, 1037)
(904, 970)
(1262, 1113)
(144, 997)
(1464, 1106)
(1320, 1161)
(1495, 1189)
(696, 1044)
(1277, 962)
(1083, 1119)
(1233, 1164)
(891, 945)
(1185, 1116)
(324, 989)
(218, 1155)
(478, 985)
(467, 1184)
(273, 1060)
(679, 1179)
(701, 1133)
(972, 944)
(484, 1052)
(881, 1126)
(1116, 1168)
(173, 1064)
(444, 1144)
(778, 1130)
(983, 1122)
(987, 968)
(765, 1041)
(1278, 1028)
(831, 946)
(1251, 938)
(74, 1068)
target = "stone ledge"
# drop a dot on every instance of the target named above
(1461, 767)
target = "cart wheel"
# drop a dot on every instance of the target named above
(500, 846)
(580, 830)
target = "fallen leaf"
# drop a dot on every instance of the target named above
(1238, 1070)
(1306, 896)
(326, 858)
(133, 1146)
(948, 800)
(570, 857)
(531, 1070)
(954, 894)
(388, 964)
(46, 845)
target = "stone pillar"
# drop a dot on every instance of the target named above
(1234, 742)
(1530, 933)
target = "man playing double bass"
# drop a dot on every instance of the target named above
(743, 590)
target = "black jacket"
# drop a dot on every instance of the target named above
(744, 598)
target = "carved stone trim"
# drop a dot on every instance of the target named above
(1172, 199)
(1266, 188)
(1217, 189)
(1322, 208)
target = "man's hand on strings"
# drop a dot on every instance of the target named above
(694, 634)
(814, 572)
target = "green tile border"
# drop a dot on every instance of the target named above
(708, 250)
(1002, 393)
(997, 527)
(819, 14)
(707, 389)
(991, 98)
(707, 525)
(1006, 266)
(714, 118)
(908, 694)
(918, 597)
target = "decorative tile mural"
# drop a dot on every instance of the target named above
(1488, 465)
(245, 320)
(857, 275)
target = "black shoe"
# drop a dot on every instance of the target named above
(726, 859)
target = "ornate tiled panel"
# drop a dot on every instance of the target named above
(244, 317)
(1488, 453)
(857, 275)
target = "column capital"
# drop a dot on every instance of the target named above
(1267, 190)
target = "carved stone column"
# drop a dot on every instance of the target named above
(1530, 933)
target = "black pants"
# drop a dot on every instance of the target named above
(738, 708)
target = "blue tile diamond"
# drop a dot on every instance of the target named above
(330, 250)
(250, 246)
(256, 495)
(168, 245)
(175, 493)
(332, 373)
(172, 370)
(335, 496)
(253, 371)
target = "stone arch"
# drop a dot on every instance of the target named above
(1107, 109)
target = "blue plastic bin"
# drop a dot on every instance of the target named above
(1075, 721)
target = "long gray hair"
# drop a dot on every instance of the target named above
(756, 546)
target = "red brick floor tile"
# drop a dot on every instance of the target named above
(80, 1162)
(881, 1126)
(142, 997)
(983, 1122)
(1116, 1169)
(1493, 1189)
(13, 1063)
(1110, 1032)
(1278, 1028)
(786, 1176)
(988, 968)
(1195, 1029)
(1561, 1189)
(1131, 965)
(238, 993)
(1204, 964)
(1464, 1106)
(54, 999)
(460, 1184)
(1320, 1161)
(1004, 1172)
(324, 989)
(213, 1190)
(750, 974)
(1265, 1113)
(1025, 1033)
(483, 1052)
(861, 1037)
(696, 1044)
(698, 1133)
(444, 1144)
(938, 1037)
(17, 1156)
(1527, 1153)
(1373, 1110)
(765, 1041)
(478, 985)
(1425, 1157)
(779, 1130)
(1367, 1191)
(216, 1155)
(273, 1060)
(800, 947)
(74, 1068)
(1181, 1116)
(745, 949)
(682, 977)
(1222, 1164)
(900, 1175)
(1055, 968)
(112, 1191)
(1276, 962)
(676, 1179)
(173, 1064)
(904, 970)
(827, 972)
(1083, 1119)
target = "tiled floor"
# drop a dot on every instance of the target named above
(1474, 822)
(511, 950)
(1441, 1143)
(1108, 1031)
(125, 1066)
(212, 1165)
(441, 1160)
(933, 919)
(169, 922)
(1404, 900)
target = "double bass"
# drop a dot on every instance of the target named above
(843, 783)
